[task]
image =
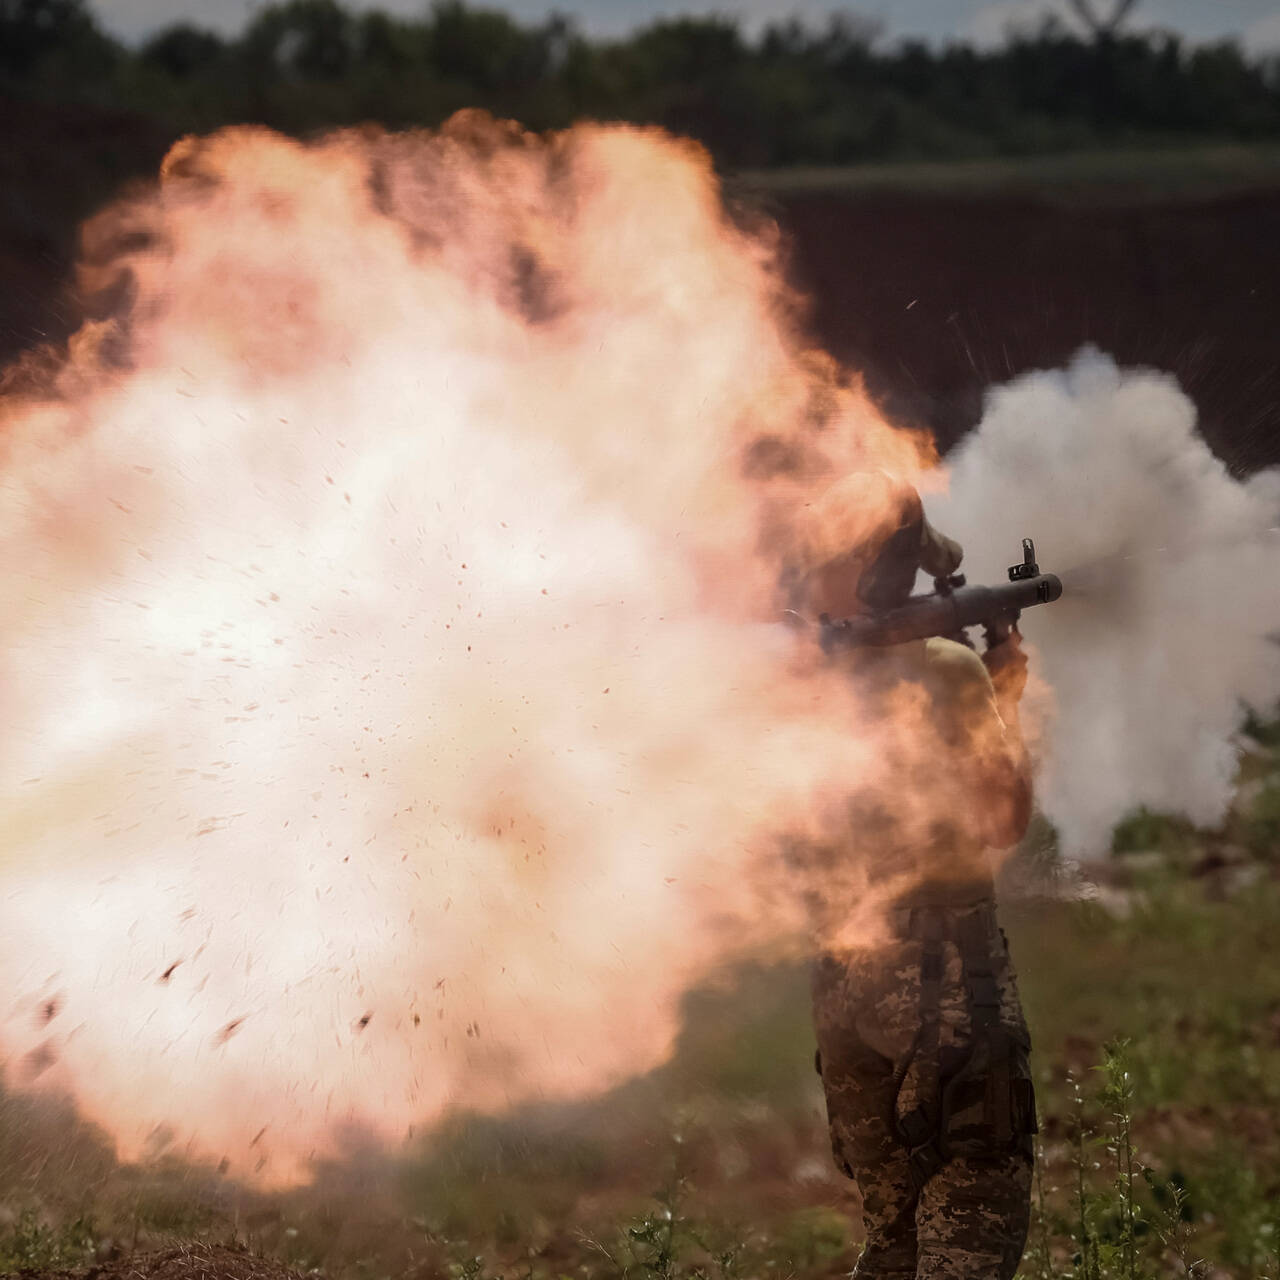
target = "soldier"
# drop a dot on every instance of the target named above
(922, 1046)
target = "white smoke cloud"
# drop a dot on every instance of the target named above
(1171, 570)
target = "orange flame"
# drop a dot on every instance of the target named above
(394, 715)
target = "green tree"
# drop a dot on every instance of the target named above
(182, 50)
(34, 33)
(303, 39)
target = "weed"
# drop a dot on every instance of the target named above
(1144, 831)
(1040, 1250)
(1259, 826)
(1173, 1224)
(665, 1244)
(471, 1268)
(1087, 1260)
(1117, 1096)
(31, 1245)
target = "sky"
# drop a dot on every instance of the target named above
(985, 22)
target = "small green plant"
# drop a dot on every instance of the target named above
(1117, 1096)
(1259, 825)
(664, 1244)
(471, 1268)
(1173, 1224)
(1144, 831)
(31, 1245)
(1087, 1260)
(1273, 1241)
(1039, 1254)
(655, 1241)
(1263, 729)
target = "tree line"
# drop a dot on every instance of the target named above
(792, 94)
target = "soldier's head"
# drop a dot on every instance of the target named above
(862, 542)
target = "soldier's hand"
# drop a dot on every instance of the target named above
(1006, 663)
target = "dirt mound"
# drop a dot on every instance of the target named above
(58, 164)
(936, 297)
(187, 1262)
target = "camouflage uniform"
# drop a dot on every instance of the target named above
(955, 1203)
(922, 1046)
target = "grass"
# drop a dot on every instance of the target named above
(30, 1244)
(1091, 177)
(1157, 1031)
(1158, 1158)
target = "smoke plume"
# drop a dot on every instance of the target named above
(1171, 575)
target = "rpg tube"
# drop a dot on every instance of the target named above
(941, 613)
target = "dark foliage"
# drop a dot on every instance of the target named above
(793, 95)
(57, 38)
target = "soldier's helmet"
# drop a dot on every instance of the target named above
(862, 542)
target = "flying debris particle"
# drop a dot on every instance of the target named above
(38, 1061)
(50, 1010)
(228, 1031)
(168, 973)
(363, 1021)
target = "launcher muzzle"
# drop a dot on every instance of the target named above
(949, 609)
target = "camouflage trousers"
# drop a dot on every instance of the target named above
(882, 1064)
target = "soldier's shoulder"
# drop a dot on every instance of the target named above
(957, 666)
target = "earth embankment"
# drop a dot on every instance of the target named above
(934, 281)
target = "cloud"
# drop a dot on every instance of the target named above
(994, 23)
(132, 20)
(1263, 36)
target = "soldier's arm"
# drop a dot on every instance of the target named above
(978, 708)
(1006, 664)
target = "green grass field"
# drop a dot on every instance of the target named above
(1084, 177)
(718, 1166)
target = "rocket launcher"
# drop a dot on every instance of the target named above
(949, 609)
